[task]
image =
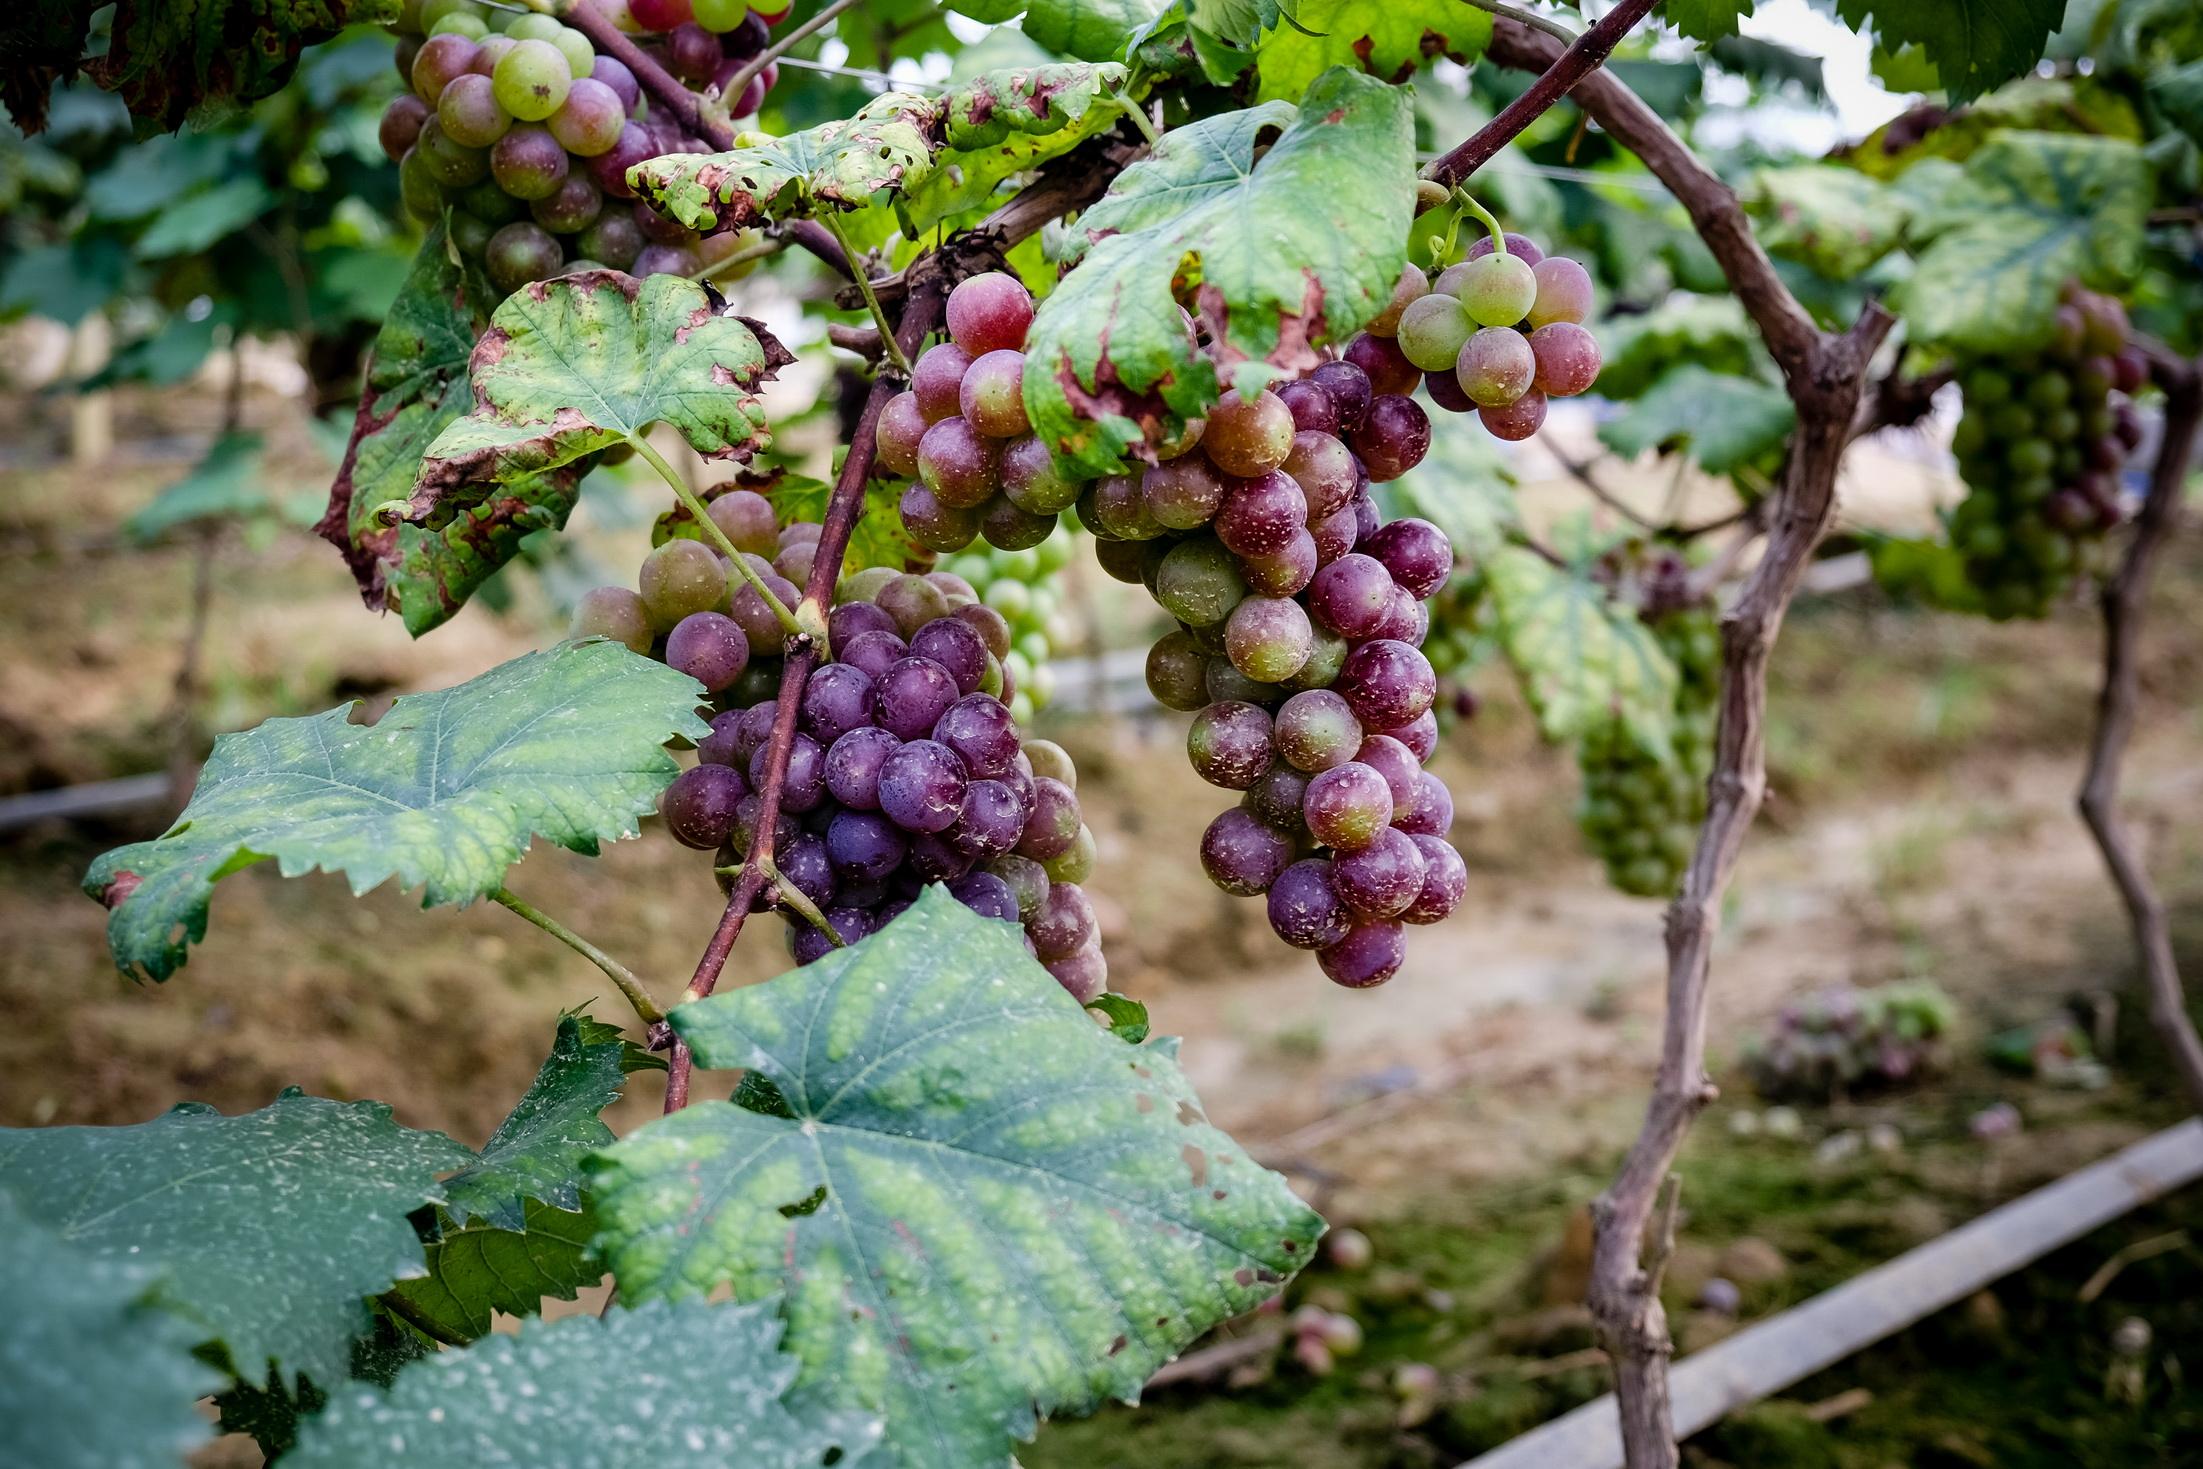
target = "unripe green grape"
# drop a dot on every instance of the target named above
(719, 15)
(418, 189)
(471, 27)
(433, 11)
(1433, 330)
(534, 27)
(1498, 290)
(532, 80)
(679, 577)
(1198, 582)
(470, 236)
(520, 253)
(580, 52)
(528, 162)
(1496, 366)
(615, 613)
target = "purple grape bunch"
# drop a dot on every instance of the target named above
(1500, 334)
(516, 127)
(906, 767)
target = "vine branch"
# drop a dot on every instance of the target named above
(2125, 599)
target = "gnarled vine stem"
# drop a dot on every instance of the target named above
(2125, 600)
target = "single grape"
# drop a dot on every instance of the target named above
(912, 601)
(1563, 292)
(532, 80)
(1065, 923)
(1324, 662)
(719, 16)
(612, 238)
(747, 520)
(1325, 470)
(609, 169)
(1496, 366)
(580, 52)
(1177, 672)
(1567, 359)
(1433, 813)
(1386, 366)
(957, 648)
(1517, 420)
(837, 700)
(1433, 332)
(957, 464)
(692, 53)
(1268, 638)
(1305, 910)
(1027, 881)
(710, 648)
(1405, 293)
(1052, 828)
(590, 120)
(937, 378)
(614, 73)
(1008, 526)
(615, 613)
(1275, 798)
(1445, 882)
(748, 38)
(1497, 290)
(1261, 515)
(520, 253)
(1383, 878)
(989, 312)
(1387, 682)
(571, 207)
(453, 166)
(935, 524)
(1119, 509)
(1391, 758)
(1227, 684)
(1031, 480)
(528, 163)
(488, 52)
(1347, 806)
(991, 394)
(982, 733)
(993, 628)
(665, 260)
(1516, 245)
(1370, 954)
(661, 15)
(1242, 856)
(913, 694)
(852, 766)
(1183, 493)
(1249, 436)
(922, 786)
(1316, 730)
(536, 27)
(1083, 975)
(1229, 744)
(865, 845)
(1197, 582)
(1312, 408)
(901, 425)
(718, 747)
(1077, 864)
(805, 865)
(1284, 572)
(699, 806)
(1349, 389)
(442, 60)
(1419, 734)
(1394, 438)
(1416, 553)
(1350, 595)
(1335, 534)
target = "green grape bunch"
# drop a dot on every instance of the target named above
(2040, 446)
(1025, 586)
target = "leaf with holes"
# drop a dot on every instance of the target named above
(886, 144)
(1974, 45)
(416, 385)
(982, 1205)
(1835, 220)
(1272, 257)
(97, 1375)
(476, 1272)
(575, 365)
(268, 1228)
(1722, 423)
(1583, 658)
(1389, 41)
(536, 1153)
(445, 792)
(638, 1389)
(2031, 212)
(1002, 124)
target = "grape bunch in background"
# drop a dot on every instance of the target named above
(1499, 333)
(1642, 804)
(907, 765)
(1024, 587)
(1846, 1039)
(2040, 446)
(519, 129)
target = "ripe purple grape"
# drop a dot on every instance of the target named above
(1346, 806)
(520, 253)
(1387, 682)
(1381, 879)
(956, 647)
(873, 651)
(987, 895)
(937, 379)
(1184, 493)
(1496, 366)
(470, 114)
(1177, 672)
(1083, 975)
(922, 786)
(699, 806)
(571, 207)
(1395, 436)
(1515, 421)
(1065, 923)
(401, 124)
(991, 395)
(1243, 856)
(959, 466)
(989, 312)
(837, 700)
(990, 822)
(912, 695)
(1416, 554)
(636, 145)
(1249, 436)
(589, 122)
(1433, 813)
(1325, 470)
(717, 748)
(441, 61)
(1305, 910)
(1370, 954)
(613, 73)
(1567, 359)
(803, 781)
(1387, 369)
(1350, 595)
(1349, 389)
(1315, 730)
(1229, 744)
(1563, 292)
(982, 733)
(759, 622)
(708, 647)
(1052, 827)
(1284, 572)
(865, 845)
(1031, 481)
(935, 524)
(1312, 408)
(614, 239)
(1419, 734)
(1007, 526)
(1516, 245)
(1260, 515)
(1445, 882)
(527, 162)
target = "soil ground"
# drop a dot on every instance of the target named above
(1920, 826)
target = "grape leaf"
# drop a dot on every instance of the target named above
(1464, 486)
(1005, 123)
(95, 1376)
(1835, 220)
(1723, 423)
(638, 1389)
(191, 225)
(1712, 331)
(2074, 104)
(1388, 41)
(536, 1152)
(416, 385)
(225, 483)
(1091, 30)
(446, 791)
(269, 1227)
(1272, 257)
(575, 365)
(2031, 212)
(476, 1272)
(271, 1411)
(1974, 45)
(1583, 658)
(878, 538)
(982, 1205)
(1705, 20)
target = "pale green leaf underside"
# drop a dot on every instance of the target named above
(445, 792)
(1272, 256)
(982, 1205)
(477, 1272)
(267, 1229)
(1388, 40)
(639, 1389)
(1723, 423)
(91, 1376)
(1582, 657)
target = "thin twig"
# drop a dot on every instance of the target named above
(756, 64)
(863, 278)
(1581, 473)
(646, 1009)
(2125, 602)
(1519, 16)
(799, 900)
(1583, 56)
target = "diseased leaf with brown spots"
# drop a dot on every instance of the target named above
(1388, 40)
(1271, 255)
(981, 1205)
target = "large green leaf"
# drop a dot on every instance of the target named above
(1272, 257)
(1836, 220)
(477, 1272)
(1974, 45)
(92, 1376)
(1091, 30)
(536, 1153)
(268, 1229)
(575, 365)
(445, 792)
(272, 1410)
(202, 62)
(639, 1389)
(1705, 20)
(1723, 423)
(2032, 211)
(982, 1206)
(1583, 658)
(1388, 40)
(416, 384)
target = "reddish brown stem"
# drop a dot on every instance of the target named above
(1575, 63)
(2125, 600)
(666, 90)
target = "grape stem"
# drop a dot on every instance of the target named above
(1139, 116)
(646, 1009)
(863, 278)
(793, 896)
(757, 64)
(737, 562)
(1520, 16)
(1484, 217)
(2125, 599)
